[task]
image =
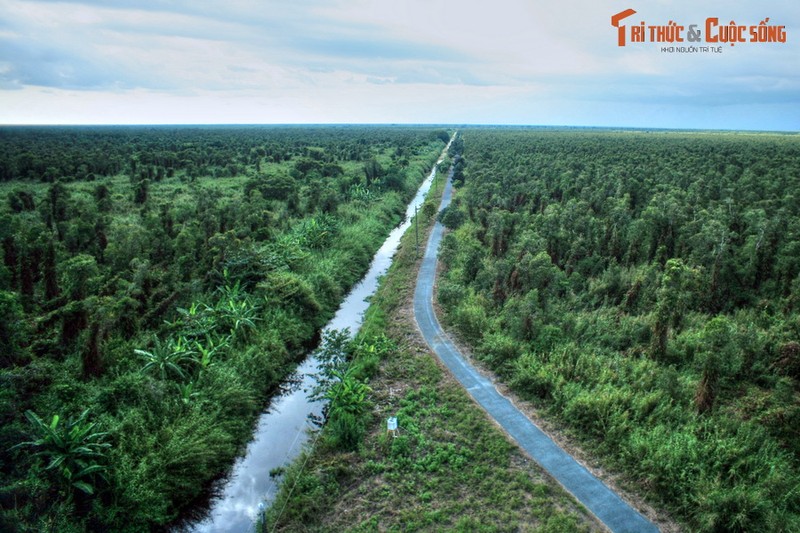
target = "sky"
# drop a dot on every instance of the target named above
(530, 62)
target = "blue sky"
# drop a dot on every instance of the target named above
(376, 61)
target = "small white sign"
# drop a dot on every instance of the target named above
(391, 424)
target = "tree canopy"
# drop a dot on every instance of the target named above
(643, 288)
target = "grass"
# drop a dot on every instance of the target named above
(448, 468)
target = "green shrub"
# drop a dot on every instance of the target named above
(498, 349)
(530, 376)
(470, 316)
(346, 430)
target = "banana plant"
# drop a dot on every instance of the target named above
(347, 395)
(228, 290)
(238, 316)
(377, 345)
(196, 321)
(166, 359)
(208, 350)
(74, 449)
(187, 392)
(348, 399)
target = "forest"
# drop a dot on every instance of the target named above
(642, 289)
(157, 284)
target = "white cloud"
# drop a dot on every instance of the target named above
(510, 61)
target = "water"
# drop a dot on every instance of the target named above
(284, 428)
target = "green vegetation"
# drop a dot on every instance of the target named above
(643, 289)
(449, 468)
(74, 450)
(156, 286)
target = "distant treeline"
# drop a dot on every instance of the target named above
(81, 153)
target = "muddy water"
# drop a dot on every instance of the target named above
(284, 427)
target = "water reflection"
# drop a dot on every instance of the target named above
(289, 421)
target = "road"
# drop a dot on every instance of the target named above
(601, 501)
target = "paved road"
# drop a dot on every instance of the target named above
(601, 501)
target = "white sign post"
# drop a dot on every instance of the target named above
(391, 426)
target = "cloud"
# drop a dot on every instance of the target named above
(504, 60)
(167, 46)
(374, 48)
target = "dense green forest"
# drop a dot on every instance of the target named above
(643, 289)
(156, 286)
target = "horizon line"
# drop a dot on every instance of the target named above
(387, 124)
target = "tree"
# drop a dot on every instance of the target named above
(27, 273)
(393, 179)
(102, 196)
(789, 359)
(58, 196)
(277, 187)
(13, 336)
(91, 355)
(372, 171)
(80, 275)
(458, 171)
(11, 259)
(127, 240)
(717, 359)
(141, 191)
(20, 201)
(51, 289)
(80, 278)
(452, 217)
(442, 135)
(673, 300)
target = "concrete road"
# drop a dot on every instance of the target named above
(601, 501)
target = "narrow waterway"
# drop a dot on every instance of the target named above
(284, 427)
